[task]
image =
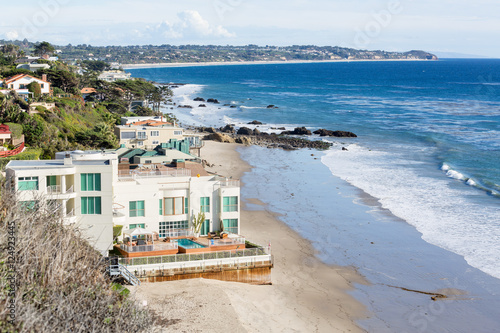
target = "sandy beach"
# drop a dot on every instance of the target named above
(306, 295)
(229, 63)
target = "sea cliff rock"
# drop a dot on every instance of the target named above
(228, 129)
(219, 137)
(245, 131)
(255, 122)
(297, 131)
(199, 99)
(337, 134)
(213, 100)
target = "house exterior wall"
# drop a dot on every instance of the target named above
(22, 83)
(151, 137)
(116, 195)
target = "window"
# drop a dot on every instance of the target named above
(161, 206)
(186, 205)
(140, 225)
(231, 225)
(230, 204)
(29, 205)
(22, 86)
(165, 227)
(42, 85)
(51, 181)
(140, 143)
(141, 135)
(148, 162)
(175, 206)
(156, 142)
(177, 132)
(136, 208)
(205, 228)
(155, 133)
(27, 183)
(128, 135)
(91, 205)
(205, 204)
(90, 181)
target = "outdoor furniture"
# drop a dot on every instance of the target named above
(141, 242)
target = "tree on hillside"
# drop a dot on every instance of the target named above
(64, 80)
(35, 88)
(9, 53)
(43, 48)
(95, 65)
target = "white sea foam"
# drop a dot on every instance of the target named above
(447, 216)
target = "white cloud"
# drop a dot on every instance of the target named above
(11, 35)
(190, 24)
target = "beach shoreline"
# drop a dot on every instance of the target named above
(232, 63)
(306, 294)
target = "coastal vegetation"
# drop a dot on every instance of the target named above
(72, 122)
(52, 280)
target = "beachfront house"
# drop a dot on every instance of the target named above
(115, 75)
(20, 82)
(96, 192)
(147, 132)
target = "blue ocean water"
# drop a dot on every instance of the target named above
(428, 145)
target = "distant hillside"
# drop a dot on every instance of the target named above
(150, 54)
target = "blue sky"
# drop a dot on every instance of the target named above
(462, 26)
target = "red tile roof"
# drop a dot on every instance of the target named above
(14, 78)
(4, 129)
(88, 91)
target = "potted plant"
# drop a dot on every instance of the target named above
(197, 223)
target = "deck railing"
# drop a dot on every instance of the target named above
(12, 152)
(173, 233)
(187, 257)
(133, 174)
(149, 248)
(226, 241)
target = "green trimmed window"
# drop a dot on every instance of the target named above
(186, 205)
(231, 225)
(27, 183)
(29, 205)
(205, 204)
(230, 204)
(51, 180)
(136, 208)
(91, 206)
(138, 225)
(90, 181)
(205, 228)
(161, 206)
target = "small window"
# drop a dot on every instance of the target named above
(27, 183)
(177, 132)
(205, 204)
(138, 225)
(230, 204)
(136, 208)
(140, 143)
(91, 206)
(90, 181)
(141, 135)
(156, 142)
(231, 225)
(42, 86)
(155, 133)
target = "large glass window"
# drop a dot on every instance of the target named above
(128, 135)
(27, 183)
(175, 206)
(90, 181)
(230, 204)
(91, 206)
(167, 226)
(205, 204)
(139, 225)
(205, 228)
(231, 225)
(136, 208)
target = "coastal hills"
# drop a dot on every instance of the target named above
(153, 54)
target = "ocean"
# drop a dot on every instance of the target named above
(422, 178)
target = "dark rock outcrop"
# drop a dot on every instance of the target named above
(228, 129)
(255, 122)
(213, 100)
(207, 129)
(202, 106)
(337, 134)
(199, 99)
(244, 131)
(185, 106)
(297, 131)
(271, 106)
(233, 106)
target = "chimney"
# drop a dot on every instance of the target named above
(44, 77)
(67, 159)
(180, 164)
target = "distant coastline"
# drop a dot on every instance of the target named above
(232, 63)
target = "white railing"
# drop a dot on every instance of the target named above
(226, 241)
(135, 174)
(54, 189)
(179, 233)
(190, 257)
(150, 247)
(71, 213)
(71, 189)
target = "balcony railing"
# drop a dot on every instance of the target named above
(150, 247)
(56, 189)
(227, 241)
(173, 233)
(134, 174)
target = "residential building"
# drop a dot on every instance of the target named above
(33, 67)
(20, 83)
(5, 135)
(115, 75)
(148, 135)
(96, 192)
(87, 91)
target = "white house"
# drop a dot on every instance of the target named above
(112, 76)
(33, 67)
(147, 134)
(20, 83)
(95, 191)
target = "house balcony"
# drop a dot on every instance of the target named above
(132, 250)
(56, 192)
(70, 217)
